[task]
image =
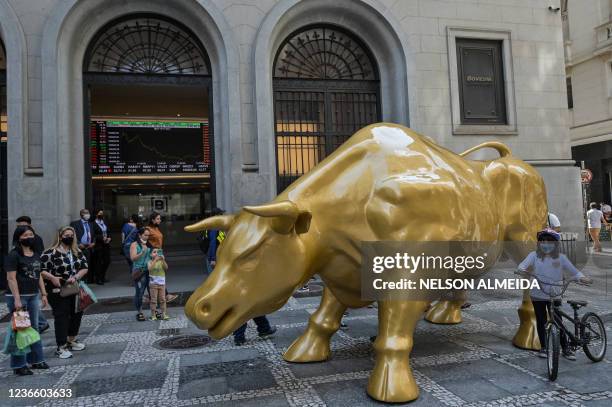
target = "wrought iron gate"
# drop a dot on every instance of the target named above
(325, 89)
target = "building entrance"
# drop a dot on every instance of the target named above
(148, 96)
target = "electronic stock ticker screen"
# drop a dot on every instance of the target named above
(137, 147)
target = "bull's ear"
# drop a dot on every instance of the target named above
(285, 216)
(221, 222)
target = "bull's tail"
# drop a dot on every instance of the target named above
(501, 148)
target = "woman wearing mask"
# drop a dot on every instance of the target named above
(63, 263)
(101, 253)
(26, 287)
(140, 254)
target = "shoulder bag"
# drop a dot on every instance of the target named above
(69, 289)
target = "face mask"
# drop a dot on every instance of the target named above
(27, 242)
(67, 240)
(86, 216)
(547, 247)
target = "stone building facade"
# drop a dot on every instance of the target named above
(587, 30)
(413, 45)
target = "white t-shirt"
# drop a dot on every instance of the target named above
(550, 273)
(594, 218)
(553, 220)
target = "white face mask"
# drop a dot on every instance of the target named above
(86, 216)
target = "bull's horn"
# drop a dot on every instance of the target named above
(286, 216)
(220, 222)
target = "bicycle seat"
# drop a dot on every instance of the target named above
(577, 304)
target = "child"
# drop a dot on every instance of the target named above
(549, 266)
(157, 283)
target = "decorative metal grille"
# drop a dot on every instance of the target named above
(321, 97)
(324, 53)
(147, 45)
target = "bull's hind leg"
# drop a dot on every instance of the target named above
(447, 311)
(526, 336)
(391, 379)
(313, 345)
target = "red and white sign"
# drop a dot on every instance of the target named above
(586, 176)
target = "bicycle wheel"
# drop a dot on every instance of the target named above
(593, 332)
(553, 344)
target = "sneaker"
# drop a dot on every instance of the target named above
(41, 365)
(171, 297)
(239, 341)
(153, 317)
(569, 355)
(269, 332)
(23, 371)
(76, 345)
(43, 328)
(466, 305)
(63, 353)
(303, 289)
(165, 317)
(543, 354)
(158, 315)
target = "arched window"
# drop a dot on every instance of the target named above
(147, 45)
(326, 87)
(148, 103)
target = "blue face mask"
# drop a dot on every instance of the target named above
(547, 247)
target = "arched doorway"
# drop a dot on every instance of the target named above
(326, 86)
(148, 124)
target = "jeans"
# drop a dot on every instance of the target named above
(42, 321)
(263, 326)
(32, 304)
(207, 267)
(67, 320)
(140, 286)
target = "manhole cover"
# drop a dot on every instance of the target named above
(183, 342)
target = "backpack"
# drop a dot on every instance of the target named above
(129, 239)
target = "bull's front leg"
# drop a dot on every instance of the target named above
(391, 379)
(313, 345)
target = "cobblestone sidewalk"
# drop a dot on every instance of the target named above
(471, 364)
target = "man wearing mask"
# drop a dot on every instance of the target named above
(101, 253)
(87, 232)
(38, 246)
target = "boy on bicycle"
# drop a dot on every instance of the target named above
(548, 266)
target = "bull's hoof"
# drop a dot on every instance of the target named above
(445, 312)
(308, 348)
(391, 381)
(526, 336)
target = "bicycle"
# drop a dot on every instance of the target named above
(589, 331)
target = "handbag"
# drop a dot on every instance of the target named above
(86, 297)
(26, 337)
(21, 320)
(69, 289)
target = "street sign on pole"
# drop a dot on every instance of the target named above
(586, 176)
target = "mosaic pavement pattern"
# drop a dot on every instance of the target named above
(471, 364)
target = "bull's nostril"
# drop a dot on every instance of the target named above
(205, 309)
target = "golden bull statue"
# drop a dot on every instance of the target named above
(385, 183)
